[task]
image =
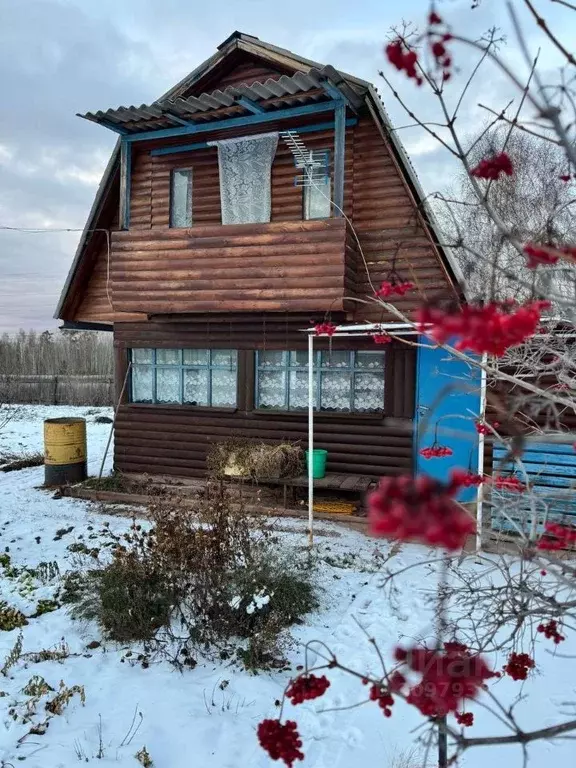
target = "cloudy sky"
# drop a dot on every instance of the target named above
(59, 57)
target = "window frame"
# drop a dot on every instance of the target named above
(189, 201)
(352, 369)
(182, 367)
(307, 188)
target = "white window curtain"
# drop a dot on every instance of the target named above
(245, 167)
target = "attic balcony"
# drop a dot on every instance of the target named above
(278, 266)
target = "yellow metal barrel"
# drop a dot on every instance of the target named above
(65, 452)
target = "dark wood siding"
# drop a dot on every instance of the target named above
(388, 223)
(247, 73)
(173, 440)
(96, 303)
(238, 67)
(303, 265)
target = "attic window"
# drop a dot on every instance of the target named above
(181, 197)
(317, 188)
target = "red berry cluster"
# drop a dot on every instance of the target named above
(466, 478)
(325, 329)
(538, 254)
(404, 59)
(550, 631)
(492, 167)
(281, 741)
(398, 288)
(436, 451)
(383, 697)
(509, 483)
(443, 58)
(437, 45)
(465, 718)
(557, 536)
(307, 687)
(491, 328)
(382, 338)
(518, 666)
(484, 429)
(448, 677)
(421, 509)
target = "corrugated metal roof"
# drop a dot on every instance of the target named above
(165, 113)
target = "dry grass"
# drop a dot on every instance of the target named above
(23, 461)
(246, 458)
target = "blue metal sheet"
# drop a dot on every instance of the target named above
(447, 395)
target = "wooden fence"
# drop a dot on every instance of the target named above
(67, 389)
(551, 472)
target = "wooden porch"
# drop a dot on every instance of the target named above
(141, 490)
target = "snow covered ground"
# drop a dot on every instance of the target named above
(195, 718)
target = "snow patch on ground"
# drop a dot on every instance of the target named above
(208, 716)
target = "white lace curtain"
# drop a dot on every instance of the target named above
(245, 166)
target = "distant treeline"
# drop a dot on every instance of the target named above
(61, 367)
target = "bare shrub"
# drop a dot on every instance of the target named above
(128, 598)
(11, 618)
(143, 757)
(210, 578)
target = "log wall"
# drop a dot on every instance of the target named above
(174, 439)
(389, 225)
(300, 265)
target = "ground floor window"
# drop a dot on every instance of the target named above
(205, 377)
(344, 381)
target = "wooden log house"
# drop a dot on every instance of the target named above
(207, 265)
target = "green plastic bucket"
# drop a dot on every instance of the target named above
(319, 456)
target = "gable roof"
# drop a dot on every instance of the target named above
(180, 97)
(252, 45)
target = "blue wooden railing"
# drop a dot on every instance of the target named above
(550, 469)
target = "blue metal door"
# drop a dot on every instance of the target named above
(447, 405)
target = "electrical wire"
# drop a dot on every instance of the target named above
(44, 230)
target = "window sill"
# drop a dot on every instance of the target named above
(320, 414)
(182, 407)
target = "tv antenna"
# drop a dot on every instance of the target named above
(314, 164)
